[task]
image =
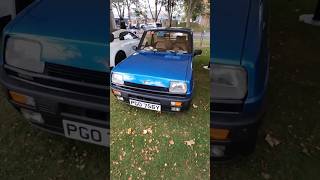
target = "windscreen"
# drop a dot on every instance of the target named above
(166, 41)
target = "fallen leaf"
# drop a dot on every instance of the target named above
(194, 106)
(265, 175)
(149, 130)
(189, 143)
(144, 132)
(60, 161)
(129, 131)
(272, 141)
(306, 151)
(171, 142)
(81, 167)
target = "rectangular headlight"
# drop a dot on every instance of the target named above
(24, 54)
(178, 87)
(117, 79)
(228, 82)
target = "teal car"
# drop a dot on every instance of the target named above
(54, 67)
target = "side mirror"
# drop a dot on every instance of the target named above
(197, 52)
(111, 38)
(134, 48)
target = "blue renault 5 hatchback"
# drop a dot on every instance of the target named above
(159, 75)
(239, 75)
(54, 67)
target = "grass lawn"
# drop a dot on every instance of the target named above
(161, 153)
(29, 153)
(205, 43)
(293, 99)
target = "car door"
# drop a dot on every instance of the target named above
(129, 40)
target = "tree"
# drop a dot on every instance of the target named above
(128, 4)
(158, 4)
(173, 7)
(119, 5)
(141, 10)
(198, 10)
(190, 5)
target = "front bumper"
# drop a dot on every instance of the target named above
(56, 105)
(242, 127)
(163, 100)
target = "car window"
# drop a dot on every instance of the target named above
(134, 36)
(127, 36)
(166, 41)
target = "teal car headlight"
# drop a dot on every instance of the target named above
(24, 54)
(229, 82)
(117, 79)
(178, 87)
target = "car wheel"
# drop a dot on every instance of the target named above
(119, 57)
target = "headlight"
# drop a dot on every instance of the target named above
(117, 78)
(229, 82)
(24, 54)
(178, 87)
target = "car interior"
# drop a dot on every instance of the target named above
(166, 41)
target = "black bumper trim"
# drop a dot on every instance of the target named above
(163, 100)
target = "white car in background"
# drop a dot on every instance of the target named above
(121, 45)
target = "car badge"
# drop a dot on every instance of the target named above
(146, 82)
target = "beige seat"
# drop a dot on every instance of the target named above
(181, 44)
(163, 44)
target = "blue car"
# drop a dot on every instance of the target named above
(159, 75)
(54, 67)
(239, 75)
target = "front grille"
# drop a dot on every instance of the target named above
(146, 87)
(73, 87)
(67, 80)
(77, 74)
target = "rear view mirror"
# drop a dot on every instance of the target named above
(197, 52)
(134, 48)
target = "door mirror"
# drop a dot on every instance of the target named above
(134, 48)
(111, 38)
(197, 52)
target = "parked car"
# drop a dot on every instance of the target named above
(54, 68)
(121, 43)
(239, 75)
(159, 75)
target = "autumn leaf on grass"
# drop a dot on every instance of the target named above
(194, 106)
(272, 141)
(265, 175)
(130, 131)
(190, 142)
(147, 131)
(305, 150)
(171, 142)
